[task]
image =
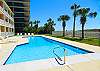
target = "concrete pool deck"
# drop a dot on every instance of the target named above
(85, 62)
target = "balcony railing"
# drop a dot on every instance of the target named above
(19, 0)
(6, 24)
(5, 13)
(6, 34)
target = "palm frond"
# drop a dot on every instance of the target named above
(92, 14)
(72, 7)
(75, 6)
(83, 11)
(59, 19)
(78, 6)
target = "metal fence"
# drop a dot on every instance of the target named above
(87, 34)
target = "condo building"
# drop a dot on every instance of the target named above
(6, 20)
(21, 9)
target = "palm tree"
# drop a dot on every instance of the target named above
(31, 23)
(36, 22)
(63, 18)
(29, 27)
(84, 13)
(74, 7)
(46, 30)
(51, 24)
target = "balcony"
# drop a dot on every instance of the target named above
(1, 16)
(20, 4)
(20, 10)
(19, 1)
(9, 16)
(6, 24)
(6, 34)
(4, 10)
(1, 4)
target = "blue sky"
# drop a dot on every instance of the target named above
(43, 9)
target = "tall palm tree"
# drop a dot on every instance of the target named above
(36, 22)
(63, 18)
(51, 24)
(74, 7)
(84, 13)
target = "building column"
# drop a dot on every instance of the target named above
(0, 29)
(5, 31)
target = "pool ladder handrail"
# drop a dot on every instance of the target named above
(58, 57)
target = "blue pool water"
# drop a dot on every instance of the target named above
(40, 48)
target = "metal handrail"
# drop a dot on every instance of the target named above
(58, 57)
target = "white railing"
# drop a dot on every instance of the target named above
(1, 9)
(2, 22)
(6, 24)
(5, 13)
(6, 34)
(9, 25)
(3, 34)
(9, 34)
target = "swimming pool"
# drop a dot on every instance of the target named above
(41, 48)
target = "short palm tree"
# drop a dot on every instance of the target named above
(84, 13)
(31, 23)
(46, 26)
(36, 22)
(63, 18)
(74, 7)
(51, 24)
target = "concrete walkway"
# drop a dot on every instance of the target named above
(8, 45)
(77, 44)
(83, 66)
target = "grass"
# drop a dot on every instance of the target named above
(91, 41)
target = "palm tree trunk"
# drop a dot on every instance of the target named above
(37, 28)
(63, 31)
(74, 26)
(51, 30)
(64, 24)
(82, 31)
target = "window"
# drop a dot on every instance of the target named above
(7, 29)
(6, 19)
(2, 29)
(19, 15)
(2, 16)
